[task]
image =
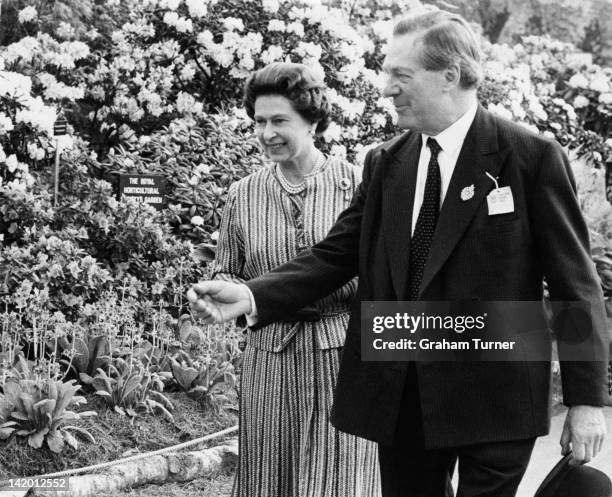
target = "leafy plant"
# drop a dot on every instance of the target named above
(209, 380)
(88, 354)
(41, 411)
(129, 387)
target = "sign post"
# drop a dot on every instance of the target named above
(59, 128)
(609, 180)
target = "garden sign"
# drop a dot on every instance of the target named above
(147, 188)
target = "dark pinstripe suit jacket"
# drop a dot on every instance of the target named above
(473, 256)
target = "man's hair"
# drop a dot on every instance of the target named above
(446, 39)
(296, 82)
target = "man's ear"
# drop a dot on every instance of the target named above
(452, 76)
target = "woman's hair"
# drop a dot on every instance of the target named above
(446, 39)
(295, 82)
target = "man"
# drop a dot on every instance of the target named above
(428, 223)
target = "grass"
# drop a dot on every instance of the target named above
(116, 437)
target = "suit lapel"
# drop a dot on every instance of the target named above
(399, 181)
(479, 155)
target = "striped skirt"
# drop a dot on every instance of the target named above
(288, 447)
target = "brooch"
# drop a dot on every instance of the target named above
(345, 185)
(467, 193)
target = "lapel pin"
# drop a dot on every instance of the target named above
(467, 193)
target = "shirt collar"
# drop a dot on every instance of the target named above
(453, 137)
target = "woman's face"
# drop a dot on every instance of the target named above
(285, 135)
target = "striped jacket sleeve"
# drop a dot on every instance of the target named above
(229, 261)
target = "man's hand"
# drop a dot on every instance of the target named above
(584, 431)
(219, 301)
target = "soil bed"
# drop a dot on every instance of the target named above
(117, 436)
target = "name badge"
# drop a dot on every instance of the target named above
(500, 201)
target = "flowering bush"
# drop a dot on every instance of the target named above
(200, 160)
(548, 86)
(175, 59)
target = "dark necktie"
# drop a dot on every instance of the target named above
(426, 222)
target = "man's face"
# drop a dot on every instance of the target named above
(416, 92)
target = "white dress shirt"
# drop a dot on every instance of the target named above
(450, 141)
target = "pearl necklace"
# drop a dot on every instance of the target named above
(299, 188)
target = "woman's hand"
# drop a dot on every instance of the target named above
(219, 301)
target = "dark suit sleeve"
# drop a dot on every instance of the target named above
(317, 272)
(562, 242)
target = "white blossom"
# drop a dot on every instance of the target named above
(23, 49)
(233, 24)
(605, 98)
(272, 54)
(308, 50)
(378, 120)
(580, 102)
(6, 124)
(338, 151)
(332, 133)
(197, 8)
(186, 103)
(295, 27)
(205, 38)
(11, 163)
(600, 84)
(188, 72)
(271, 6)
(362, 151)
(500, 110)
(27, 14)
(276, 25)
(38, 115)
(197, 220)
(169, 4)
(65, 31)
(578, 81)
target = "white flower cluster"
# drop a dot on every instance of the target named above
(14, 85)
(596, 80)
(387, 106)
(233, 24)
(271, 6)
(55, 90)
(140, 28)
(272, 54)
(277, 25)
(27, 14)
(197, 8)
(180, 23)
(233, 46)
(351, 109)
(169, 4)
(65, 31)
(62, 55)
(186, 104)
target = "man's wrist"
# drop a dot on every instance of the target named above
(251, 315)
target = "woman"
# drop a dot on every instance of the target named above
(288, 448)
